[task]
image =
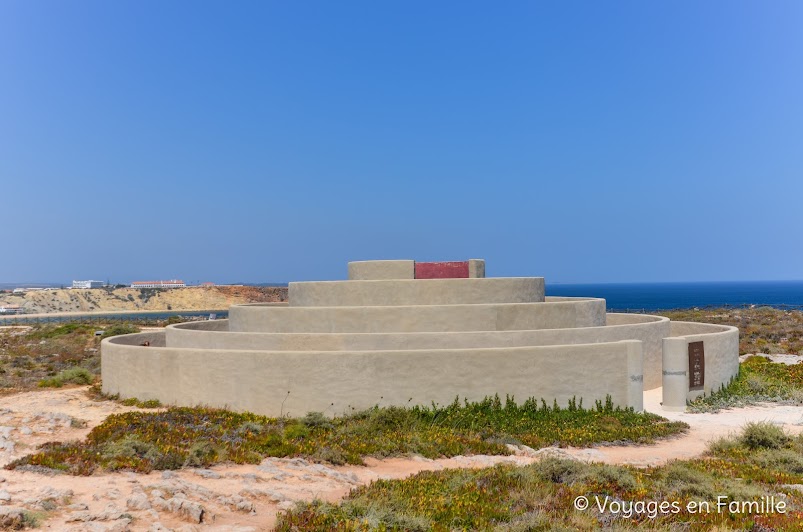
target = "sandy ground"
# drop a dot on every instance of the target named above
(247, 498)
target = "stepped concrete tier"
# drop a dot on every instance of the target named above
(404, 332)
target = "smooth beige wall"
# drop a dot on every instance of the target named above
(381, 269)
(721, 346)
(580, 312)
(417, 292)
(259, 381)
(650, 330)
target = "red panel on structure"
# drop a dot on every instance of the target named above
(441, 270)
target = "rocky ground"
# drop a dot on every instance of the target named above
(248, 497)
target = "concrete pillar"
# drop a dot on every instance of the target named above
(476, 268)
(675, 374)
(635, 374)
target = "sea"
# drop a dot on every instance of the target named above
(637, 297)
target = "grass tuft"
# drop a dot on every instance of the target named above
(759, 380)
(68, 376)
(764, 435)
(117, 330)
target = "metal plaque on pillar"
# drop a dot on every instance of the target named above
(696, 366)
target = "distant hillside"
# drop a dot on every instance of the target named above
(103, 299)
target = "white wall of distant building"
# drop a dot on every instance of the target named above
(88, 284)
(173, 283)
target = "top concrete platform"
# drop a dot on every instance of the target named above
(417, 292)
(383, 270)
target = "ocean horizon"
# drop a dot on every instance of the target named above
(677, 295)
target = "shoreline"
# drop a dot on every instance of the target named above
(102, 313)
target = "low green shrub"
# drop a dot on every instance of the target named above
(47, 332)
(117, 330)
(764, 435)
(68, 376)
(149, 403)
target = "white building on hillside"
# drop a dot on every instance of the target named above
(87, 284)
(173, 283)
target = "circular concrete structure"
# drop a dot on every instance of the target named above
(401, 332)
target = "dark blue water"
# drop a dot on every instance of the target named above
(653, 296)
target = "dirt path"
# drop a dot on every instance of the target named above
(247, 498)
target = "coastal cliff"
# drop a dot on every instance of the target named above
(107, 299)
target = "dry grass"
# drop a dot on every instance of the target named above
(761, 329)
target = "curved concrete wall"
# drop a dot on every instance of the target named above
(721, 346)
(580, 312)
(259, 381)
(402, 329)
(650, 330)
(417, 292)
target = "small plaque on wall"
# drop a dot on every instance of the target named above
(696, 366)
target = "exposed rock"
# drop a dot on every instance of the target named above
(552, 452)
(111, 494)
(77, 506)
(61, 496)
(274, 472)
(118, 525)
(286, 505)
(11, 518)
(191, 511)
(237, 502)
(206, 473)
(187, 528)
(110, 513)
(274, 496)
(331, 473)
(294, 463)
(138, 501)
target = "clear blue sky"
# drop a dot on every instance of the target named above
(275, 141)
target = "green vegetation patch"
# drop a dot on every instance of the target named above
(45, 332)
(52, 355)
(170, 439)
(68, 376)
(117, 330)
(763, 461)
(759, 380)
(149, 403)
